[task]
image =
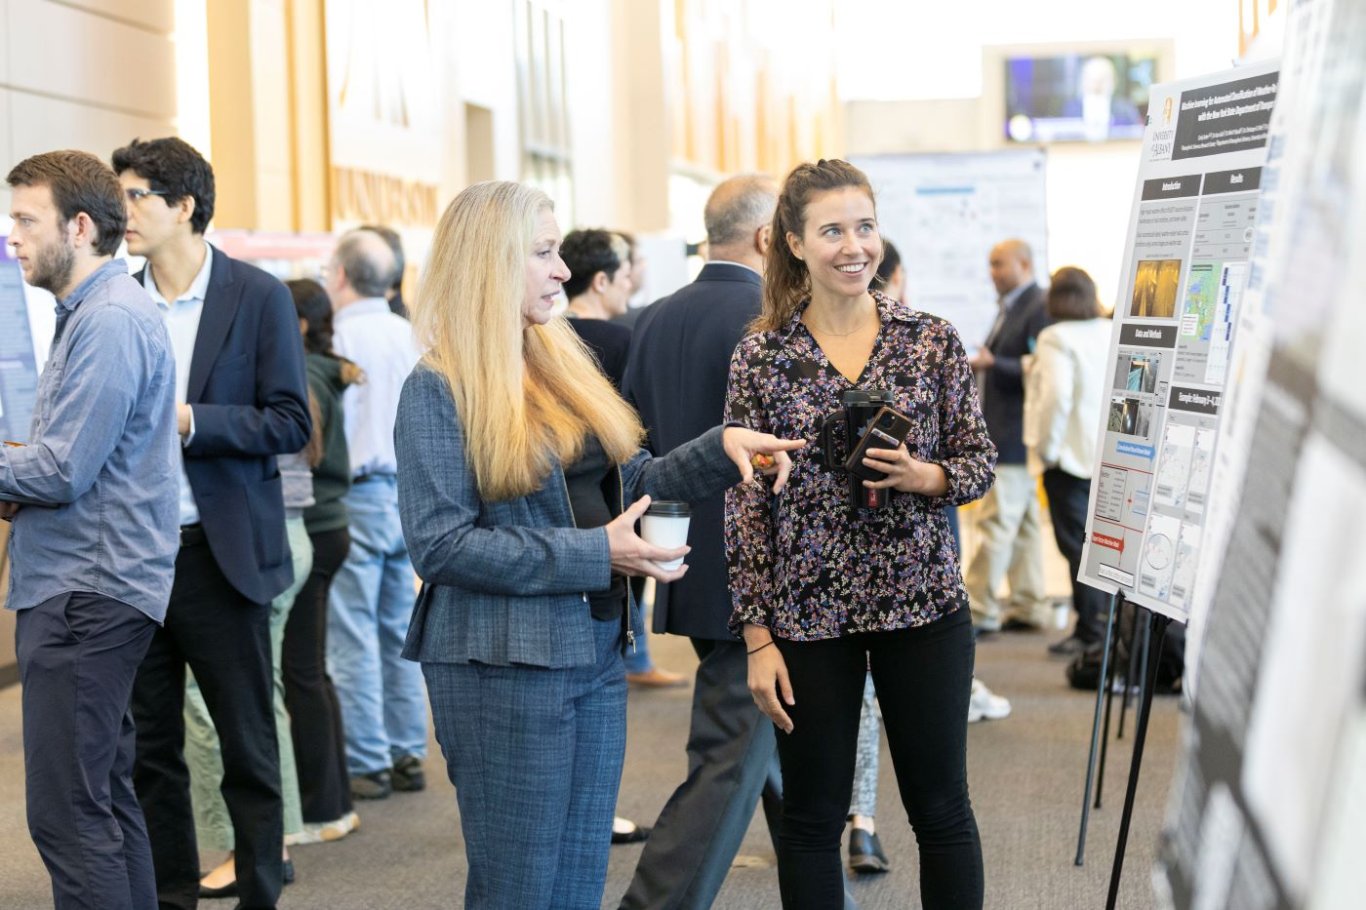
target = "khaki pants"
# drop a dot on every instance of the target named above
(1011, 547)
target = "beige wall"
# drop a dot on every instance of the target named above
(65, 78)
(66, 82)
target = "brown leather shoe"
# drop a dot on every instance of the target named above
(657, 679)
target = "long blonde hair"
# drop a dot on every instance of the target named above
(525, 396)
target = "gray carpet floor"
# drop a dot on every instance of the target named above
(1026, 775)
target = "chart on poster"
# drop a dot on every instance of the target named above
(18, 364)
(944, 213)
(1189, 243)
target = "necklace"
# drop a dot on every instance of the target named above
(824, 331)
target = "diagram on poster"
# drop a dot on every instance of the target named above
(1190, 236)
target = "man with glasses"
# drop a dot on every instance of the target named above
(241, 400)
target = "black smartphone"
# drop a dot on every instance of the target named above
(887, 430)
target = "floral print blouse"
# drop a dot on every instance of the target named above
(805, 563)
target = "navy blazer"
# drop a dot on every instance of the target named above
(676, 377)
(506, 582)
(249, 393)
(1003, 385)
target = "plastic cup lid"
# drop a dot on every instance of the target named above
(669, 508)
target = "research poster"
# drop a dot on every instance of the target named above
(18, 364)
(1269, 805)
(1189, 244)
(944, 213)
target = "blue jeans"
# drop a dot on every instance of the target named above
(383, 708)
(535, 755)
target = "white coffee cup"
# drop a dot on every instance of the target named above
(665, 524)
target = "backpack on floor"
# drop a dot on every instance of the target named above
(1083, 672)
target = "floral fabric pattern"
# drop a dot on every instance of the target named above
(806, 564)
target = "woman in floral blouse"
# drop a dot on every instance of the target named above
(822, 589)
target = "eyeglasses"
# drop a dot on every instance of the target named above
(137, 194)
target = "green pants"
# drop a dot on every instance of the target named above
(213, 827)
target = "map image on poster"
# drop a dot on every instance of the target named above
(18, 365)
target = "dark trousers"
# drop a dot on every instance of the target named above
(225, 640)
(78, 653)
(1068, 498)
(731, 762)
(314, 713)
(923, 678)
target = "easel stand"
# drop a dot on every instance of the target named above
(1135, 650)
(1102, 685)
(1157, 631)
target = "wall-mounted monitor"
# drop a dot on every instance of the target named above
(1077, 97)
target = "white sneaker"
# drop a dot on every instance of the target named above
(985, 704)
(323, 832)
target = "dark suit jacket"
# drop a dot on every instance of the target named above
(609, 342)
(1003, 385)
(676, 377)
(249, 395)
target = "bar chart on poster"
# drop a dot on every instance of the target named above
(18, 364)
(944, 213)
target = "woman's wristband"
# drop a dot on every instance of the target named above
(761, 647)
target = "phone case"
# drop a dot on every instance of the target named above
(887, 430)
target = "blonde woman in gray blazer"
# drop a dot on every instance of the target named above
(521, 478)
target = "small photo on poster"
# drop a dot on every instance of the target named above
(1130, 417)
(1155, 284)
(1137, 372)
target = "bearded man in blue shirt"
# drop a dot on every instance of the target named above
(92, 495)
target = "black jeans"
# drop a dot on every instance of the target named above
(923, 678)
(314, 713)
(1068, 498)
(78, 653)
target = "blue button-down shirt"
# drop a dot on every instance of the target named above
(98, 473)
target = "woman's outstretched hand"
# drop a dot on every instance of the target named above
(763, 452)
(768, 682)
(632, 555)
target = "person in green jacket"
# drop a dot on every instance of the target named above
(316, 724)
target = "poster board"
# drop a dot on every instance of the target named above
(1269, 805)
(18, 362)
(1189, 243)
(944, 213)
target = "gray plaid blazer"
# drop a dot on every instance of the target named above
(507, 582)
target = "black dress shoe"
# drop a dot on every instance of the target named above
(289, 872)
(865, 852)
(634, 836)
(228, 890)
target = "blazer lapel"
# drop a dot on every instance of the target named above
(220, 308)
